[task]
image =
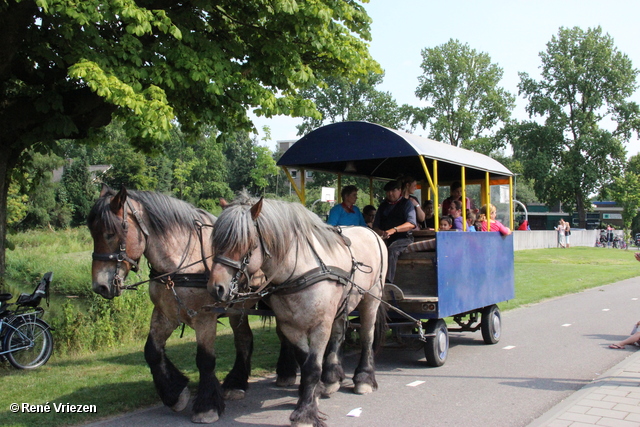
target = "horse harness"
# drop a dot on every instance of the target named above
(290, 286)
(172, 279)
(120, 257)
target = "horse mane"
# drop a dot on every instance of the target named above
(164, 213)
(282, 225)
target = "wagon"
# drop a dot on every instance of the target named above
(466, 274)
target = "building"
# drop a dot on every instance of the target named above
(284, 145)
(95, 171)
(542, 217)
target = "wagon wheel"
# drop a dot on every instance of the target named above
(436, 347)
(491, 324)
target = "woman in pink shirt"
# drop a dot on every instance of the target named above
(495, 225)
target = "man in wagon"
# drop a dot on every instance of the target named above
(394, 220)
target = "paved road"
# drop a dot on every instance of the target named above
(547, 352)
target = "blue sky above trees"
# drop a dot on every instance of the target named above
(512, 33)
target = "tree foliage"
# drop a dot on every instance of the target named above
(625, 191)
(69, 67)
(585, 83)
(79, 190)
(464, 100)
(339, 100)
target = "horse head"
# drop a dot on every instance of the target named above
(118, 240)
(236, 243)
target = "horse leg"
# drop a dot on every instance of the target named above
(332, 372)
(171, 384)
(364, 379)
(309, 357)
(287, 367)
(209, 403)
(237, 381)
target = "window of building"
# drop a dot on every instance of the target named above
(309, 174)
(294, 173)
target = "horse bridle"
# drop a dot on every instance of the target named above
(121, 256)
(241, 267)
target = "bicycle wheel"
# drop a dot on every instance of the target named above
(30, 344)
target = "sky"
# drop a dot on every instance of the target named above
(512, 32)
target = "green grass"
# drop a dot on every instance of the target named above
(547, 273)
(67, 253)
(117, 379)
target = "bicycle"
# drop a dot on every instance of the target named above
(25, 339)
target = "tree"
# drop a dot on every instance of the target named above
(80, 190)
(465, 103)
(339, 100)
(625, 191)
(69, 67)
(586, 83)
(249, 164)
(48, 202)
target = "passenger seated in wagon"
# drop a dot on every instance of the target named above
(446, 224)
(394, 221)
(495, 225)
(347, 213)
(455, 211)
(429, 219)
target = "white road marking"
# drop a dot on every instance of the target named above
(509, 347)
(415, 383)
(567, 324)
(355, 412)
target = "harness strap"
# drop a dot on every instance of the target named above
(138, 218)
(118, 257)
(312, 277)
(181, 280)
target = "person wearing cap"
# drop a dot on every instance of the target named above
(394, 221)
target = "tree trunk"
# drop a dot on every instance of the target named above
(582, 212)
(4, 189)
(8, 160)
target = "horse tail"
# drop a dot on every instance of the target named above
(380, 329)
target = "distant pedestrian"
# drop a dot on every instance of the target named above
(560, 229)
(567, 233)
(609, 235)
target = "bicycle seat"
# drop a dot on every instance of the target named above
(41, 291)
(5, 297)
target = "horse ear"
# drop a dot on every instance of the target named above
(105, 190)
(118, 200)
(223, 203)
(255, 209)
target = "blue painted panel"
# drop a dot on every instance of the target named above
(474, 270)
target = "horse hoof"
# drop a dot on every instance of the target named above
(285, 381)
(329, 389)
(183, 400)
(211, 416)
(233, 394)
(362, 388)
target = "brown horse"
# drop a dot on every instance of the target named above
(174, 237)
(317, 277)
